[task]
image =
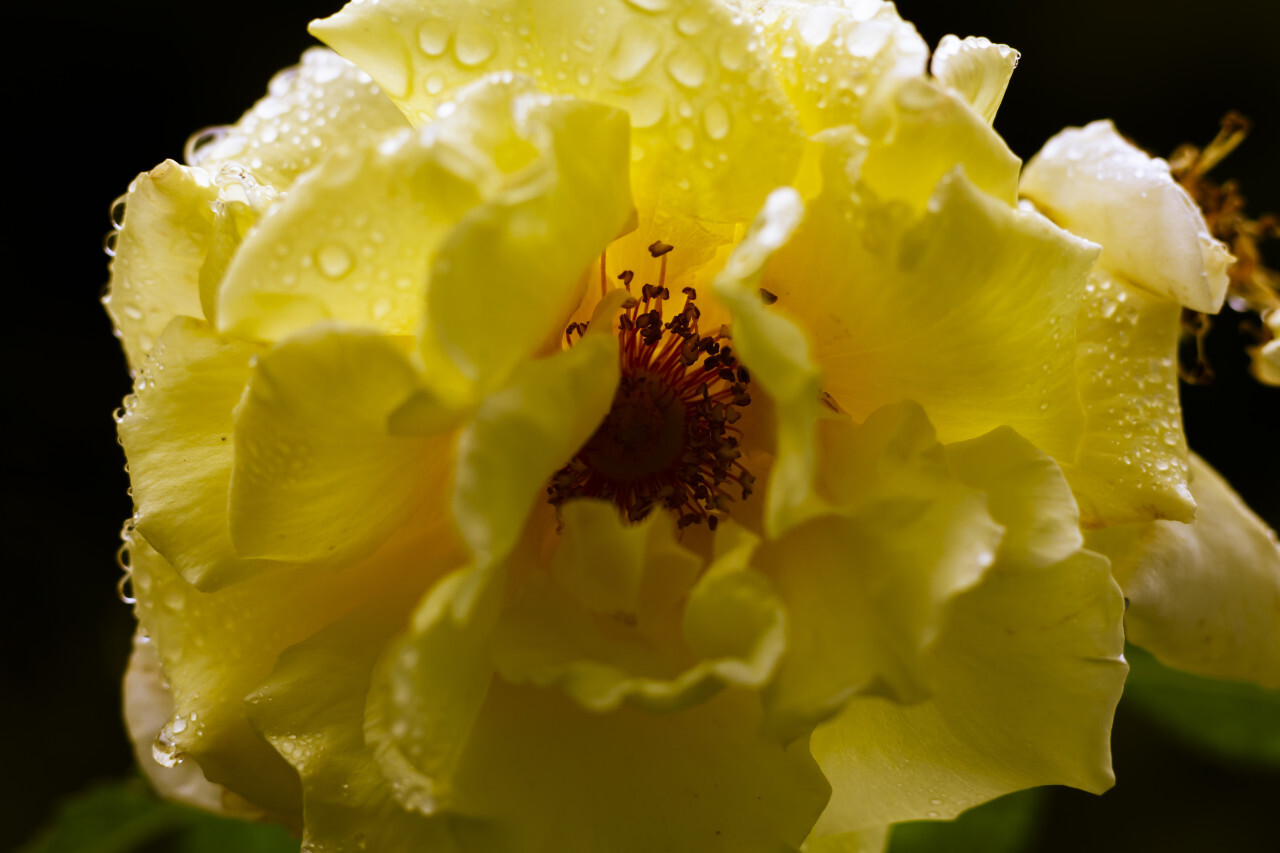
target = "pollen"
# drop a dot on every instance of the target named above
(669, 440)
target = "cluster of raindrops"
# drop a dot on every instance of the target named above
(310, 109)
(828, 58)
(1136, 381)
(674, 69)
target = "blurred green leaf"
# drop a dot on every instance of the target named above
(1226, 719)
(1005, 825)
(126, 816)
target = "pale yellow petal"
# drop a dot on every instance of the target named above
(1028, 668)
(217, 647)
(1131, 463)
(969, 309)
(836, 57)
(929, 131)
(352, 241)
(606, 636)
(540, 773)
(868, 587)
(318, 475)
(975, 69)
(713, 130)
(523, 433)
(1203, 596)
(780, 359)
(148, 705)
(320, 104)
(167, 229)
(179, 437)
(1094, 182)
(507, 279)
(312, 710)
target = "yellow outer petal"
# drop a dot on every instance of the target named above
(178, 435)
(1131, 463)
(310, 110)
(352, 241)
(868, 587)
(836, 58)
(167, 229)
(1028, 667)
(523, 433)
(975, 69)
(312, 710)
(543, 774)
(148, 705)
(508, 277)
(713, 131)
(1203, 596)
(318, 475)
(1100, 186)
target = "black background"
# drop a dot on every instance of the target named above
(101, 91)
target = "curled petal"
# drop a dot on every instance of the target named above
(713, 131)
(166, 232)
(148, 705)
(319, 477)
(1131, 462)
(179, 437)
(869, 585)
(319, 105)
(976, 69)
(835, 58)
(1203, 596)
(1028, 668)
(1094, 182)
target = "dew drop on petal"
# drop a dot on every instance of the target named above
(333, 261)
(433, 37)
(473, 44)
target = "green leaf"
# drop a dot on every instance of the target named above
(1224, 719)
(126, 816)
(1004, 825)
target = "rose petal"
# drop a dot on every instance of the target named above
(975, 69)
(1028, 668)
(318, 475)
(713, 131)
(167, 229)
(1100, 186)
(1203, 596)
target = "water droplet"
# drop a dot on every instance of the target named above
(687, 67)
(381, 308)
(433, 37)
(473, 45)
(732, 51)
(333, 261)
(647, 108)
(654, 6)
(117, 212)
(124, 588)
(164, 749)
(434, 84)
(200, 140)
(691, 23)
(632, 53)
(715, 120)
(684, 138)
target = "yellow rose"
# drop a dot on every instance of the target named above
(656, 425)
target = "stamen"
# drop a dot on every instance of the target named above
(668, 440)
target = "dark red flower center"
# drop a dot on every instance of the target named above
(669, 439)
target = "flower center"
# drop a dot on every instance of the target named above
(669, 439)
